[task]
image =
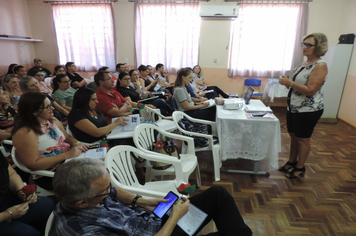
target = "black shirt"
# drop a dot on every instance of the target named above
(129, 92)
(45, 72)
(75, 116)
(74, 78)
(4, 178)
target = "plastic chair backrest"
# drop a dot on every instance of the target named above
(252, 82)
(174, 104)
(49, 223)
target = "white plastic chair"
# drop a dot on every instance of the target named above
(164, 122)
(49, 223)
(18, 163)
(214, 146)
(3, 149)
(84, 143)
(118, 162)
(145, 135)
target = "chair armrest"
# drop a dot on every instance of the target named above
(8, 142)
(45, 173)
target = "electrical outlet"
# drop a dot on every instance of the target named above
(215, 60)
(126, 60)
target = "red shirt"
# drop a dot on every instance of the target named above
(107, 102)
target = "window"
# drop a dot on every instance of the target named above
(167, 33)
(265, 39)
(85, 35)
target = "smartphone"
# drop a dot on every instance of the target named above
(163, 207)
(258, 114)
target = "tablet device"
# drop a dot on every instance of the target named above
(249, 94)
(163, 207)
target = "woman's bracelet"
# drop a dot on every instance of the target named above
(291, 85)
(10, 212)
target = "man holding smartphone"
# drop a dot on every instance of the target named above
(89, 205)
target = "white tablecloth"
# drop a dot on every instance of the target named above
(248, 138)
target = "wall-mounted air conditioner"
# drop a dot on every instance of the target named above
(219, 11)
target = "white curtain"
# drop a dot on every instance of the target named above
(85, 35)
(265, 39)
(167, 33)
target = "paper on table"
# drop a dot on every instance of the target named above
(96, 153)
(131, 120)
(191, 221)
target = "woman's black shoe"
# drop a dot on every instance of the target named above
(292, 174)
(290, 165)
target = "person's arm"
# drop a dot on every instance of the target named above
(86, 126)
(46, 85)
(60, 100)
(188, 107)
(315, 81)
(25, 142)
(60, 109)
(5, 133)
(68, 138)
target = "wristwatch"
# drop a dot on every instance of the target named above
(133, 203)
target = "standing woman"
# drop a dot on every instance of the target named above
(63, 93)
(37, 74)
(184, 101)
(305, 101)
(12, 89)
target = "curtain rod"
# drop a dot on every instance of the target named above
(80, 2)
(269, 1)
(169, 1)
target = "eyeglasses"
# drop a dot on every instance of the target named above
(308, 45)
(39, 75)
(48, 108)
(108, 191)
(126, 79)
(66, 82)
(109, 79)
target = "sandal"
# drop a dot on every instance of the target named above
(290, 165)
(292, 175)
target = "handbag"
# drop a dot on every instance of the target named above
(167, 148)
(188, 125)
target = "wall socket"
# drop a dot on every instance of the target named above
(215, 60)
(126, 60)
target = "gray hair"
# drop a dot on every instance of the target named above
(73, 180)
(321, 43)
(23, 83)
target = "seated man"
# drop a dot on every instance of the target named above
(38, 66)
(89, 205)
(77, 80)
(110, 102)
(120, 67)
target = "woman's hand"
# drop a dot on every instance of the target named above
(74, 152)
(284, 80)
(18, 210)
(120, 121)
(181, 207)
(32, 198)
(205, 104)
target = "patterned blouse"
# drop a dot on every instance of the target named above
(303, 103)
(51, 143)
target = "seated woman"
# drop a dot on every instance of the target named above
(131, 95)
(20, 71)
(85, 121)
(162, 76)
(184, 101)
(63, 93)
(10, 84)
(144, 79)
(30, 84)
(198, 80)
(58, 70)
(7, 114)
(20, 214)
(37, 74)
(10, 70)
(40, 141)
(135, 82)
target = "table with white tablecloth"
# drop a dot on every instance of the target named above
(248, 138)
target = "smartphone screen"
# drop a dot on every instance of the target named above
(163, 207)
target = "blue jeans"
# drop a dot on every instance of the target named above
(33, 223)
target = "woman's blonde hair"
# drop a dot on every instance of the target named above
(321, 43)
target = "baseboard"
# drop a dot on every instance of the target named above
(347, 123)
(328, 120)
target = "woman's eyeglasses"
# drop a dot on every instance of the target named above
(48, 108)
(308, 45)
